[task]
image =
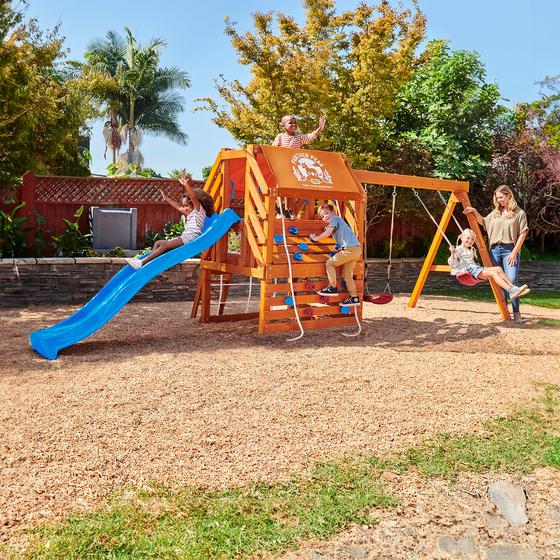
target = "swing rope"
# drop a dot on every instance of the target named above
(387, 295)
(465, 278)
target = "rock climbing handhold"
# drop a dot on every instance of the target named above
(289, 301)
(303, 246)
(298, 256)
(293, 230)
(345, 309)
(278, 238)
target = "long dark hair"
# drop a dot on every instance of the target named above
(206, 201)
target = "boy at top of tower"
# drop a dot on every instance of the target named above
(291, 138)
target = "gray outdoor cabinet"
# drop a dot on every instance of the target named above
(113, 227)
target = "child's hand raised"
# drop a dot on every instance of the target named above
(322, 122)
(186, 179)
(163, 195)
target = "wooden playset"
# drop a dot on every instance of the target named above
(277, 192)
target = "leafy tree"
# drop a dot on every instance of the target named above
(43, 113)
(138, 95)
(345, 66)
(448, 112)
(206, 172)
(526, 158)
(176, 173)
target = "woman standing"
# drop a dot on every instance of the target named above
(507, 229)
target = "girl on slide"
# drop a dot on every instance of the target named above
(196, 205)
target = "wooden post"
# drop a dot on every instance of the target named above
(436, 242)
(28, 196)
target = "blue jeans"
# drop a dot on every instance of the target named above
(499, 254)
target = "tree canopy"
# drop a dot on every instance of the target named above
(347, 67)
(43, 114)
(137, 94)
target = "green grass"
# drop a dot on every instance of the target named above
(555, 323)
(549, 299)
(161, 522)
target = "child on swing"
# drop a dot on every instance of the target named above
(196, 205)
(463, 259)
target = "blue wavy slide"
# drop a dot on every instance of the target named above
(100, 309)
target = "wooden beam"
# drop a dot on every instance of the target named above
(409, 181)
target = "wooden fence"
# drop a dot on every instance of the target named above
(56, 198)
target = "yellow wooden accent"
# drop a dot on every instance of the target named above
(253, 243)
(233, 154)
(440, 268)
(255, 197)
(257, 227)
(410, 181)
(422, 277)
(255, 169)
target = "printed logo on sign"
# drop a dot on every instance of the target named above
(309, 169)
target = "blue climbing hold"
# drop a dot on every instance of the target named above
(294, 230)
(289, 301)
(298, 256)
(278, 239)
(343, 285)
(337, 247)
(332, 254)
(306, 201)
(303, 247)
(345, 309)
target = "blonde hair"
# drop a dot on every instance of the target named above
(468, 232)
(512, 204)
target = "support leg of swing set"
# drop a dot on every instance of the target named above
(432, 252)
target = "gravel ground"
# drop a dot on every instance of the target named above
(157, 396)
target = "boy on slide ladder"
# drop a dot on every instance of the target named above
(350, 252)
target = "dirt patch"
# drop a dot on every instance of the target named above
(157, 396)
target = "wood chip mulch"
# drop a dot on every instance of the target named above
(157, 396)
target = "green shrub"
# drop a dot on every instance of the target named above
(12, 232)
(72, 242)
(234, 242)
(116, 252)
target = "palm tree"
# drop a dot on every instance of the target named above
(139, 95)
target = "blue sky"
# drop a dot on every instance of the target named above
(516, 39)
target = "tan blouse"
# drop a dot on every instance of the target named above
(505, 230)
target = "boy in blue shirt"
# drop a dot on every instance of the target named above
(350, 252)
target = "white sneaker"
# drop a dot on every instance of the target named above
(518, 291)
(134, 263)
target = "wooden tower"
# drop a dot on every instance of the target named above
(256, 182)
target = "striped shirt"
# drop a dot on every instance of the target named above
(194, 225)
(285, 140)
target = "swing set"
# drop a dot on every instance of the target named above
(458, 195)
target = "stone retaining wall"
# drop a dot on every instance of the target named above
(75, 281)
